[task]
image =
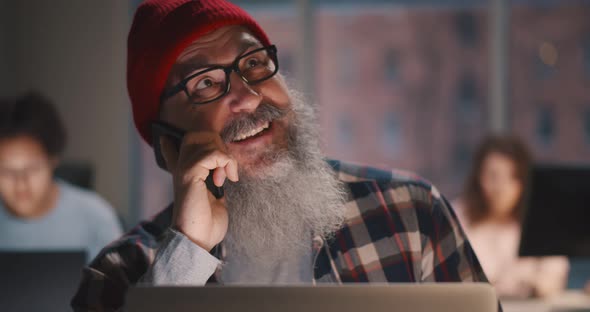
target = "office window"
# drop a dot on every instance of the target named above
(549, 56)
(545, 129)
(401, 56)
(466, 28)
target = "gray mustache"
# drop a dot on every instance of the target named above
(248, 122)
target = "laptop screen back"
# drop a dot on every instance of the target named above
(39, 281)
(557, 217)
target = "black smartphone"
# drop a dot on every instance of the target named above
(175, 135)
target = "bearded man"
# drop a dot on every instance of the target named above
(207, 71)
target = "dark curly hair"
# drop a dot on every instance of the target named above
(476, 206)
(33, 115)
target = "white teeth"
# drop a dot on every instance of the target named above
(253, 132)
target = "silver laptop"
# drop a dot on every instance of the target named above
(440, 297)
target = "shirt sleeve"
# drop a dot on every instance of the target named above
(181, 262)
(447, 255)
(130, 260)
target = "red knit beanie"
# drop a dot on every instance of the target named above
(161, 30)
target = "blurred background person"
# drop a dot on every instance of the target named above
(491, 210)
(38, 211)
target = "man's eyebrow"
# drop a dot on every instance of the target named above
(247, 44)
(202, 62)
(184, 69)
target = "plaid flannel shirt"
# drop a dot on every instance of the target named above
(398, 229)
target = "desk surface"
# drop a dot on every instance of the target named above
(571, 300)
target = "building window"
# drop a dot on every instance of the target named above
(466, 28)
(345, 130)
(467, 98)
(545, 129)
(542, 71)
(544, 68)
(392, 137)
(391, 65)
(461, 157)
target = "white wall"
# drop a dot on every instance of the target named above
(75, 52)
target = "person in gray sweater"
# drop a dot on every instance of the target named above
(37, 211)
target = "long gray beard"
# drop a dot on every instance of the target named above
(273, 215)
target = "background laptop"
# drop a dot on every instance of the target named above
(557, 217)
(455, 297)
(39, 281)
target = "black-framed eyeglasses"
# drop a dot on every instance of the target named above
(213, 83)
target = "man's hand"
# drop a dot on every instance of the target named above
(197, 213)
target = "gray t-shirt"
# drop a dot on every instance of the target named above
(81, 220)
(297, 270)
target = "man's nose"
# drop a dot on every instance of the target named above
(241, 97)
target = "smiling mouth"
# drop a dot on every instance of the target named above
(253, 133)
